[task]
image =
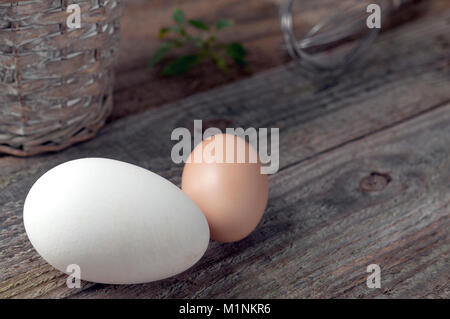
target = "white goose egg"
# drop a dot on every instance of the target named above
(120, 223)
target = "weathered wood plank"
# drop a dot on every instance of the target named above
(320, 229)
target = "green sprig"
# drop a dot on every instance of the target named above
(205, 43)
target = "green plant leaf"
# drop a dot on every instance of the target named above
(198, 41)
(221, 64)
(163, 32)
(176, 43)
(199, 24)
(222, 24)
(237, 52)
(178, 16)
(180, 65)
(160, 53)
(211, 40)
(180, 30)
(235, 49)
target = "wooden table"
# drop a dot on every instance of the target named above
(364, 179)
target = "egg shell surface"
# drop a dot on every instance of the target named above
(232, 194)
(120, 223)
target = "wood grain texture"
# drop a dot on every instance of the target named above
(328, 217)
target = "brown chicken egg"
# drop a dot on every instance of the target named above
(222, 175)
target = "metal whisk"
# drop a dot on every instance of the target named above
(336, 41)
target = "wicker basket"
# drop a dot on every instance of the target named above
(55, 84)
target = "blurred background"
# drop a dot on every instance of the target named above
(257, 27)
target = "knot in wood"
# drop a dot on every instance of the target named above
(375, 182)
